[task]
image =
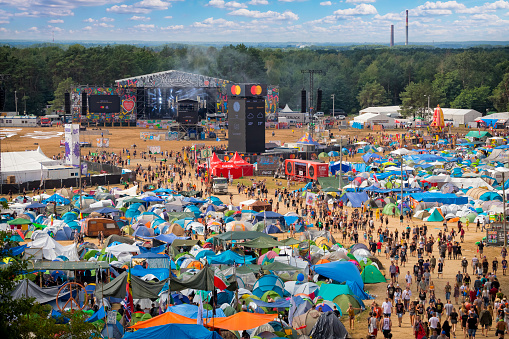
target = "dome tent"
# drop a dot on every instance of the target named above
(372, 275)
(266, 283)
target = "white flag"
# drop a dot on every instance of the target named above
(199, 317)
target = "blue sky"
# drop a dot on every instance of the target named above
(253, 20)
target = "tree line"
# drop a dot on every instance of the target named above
(476, 78)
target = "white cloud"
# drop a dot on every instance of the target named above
(45, 12)
(389, 17)
(55, 29)
(228, 5)
(360, 1)
(103, 25)
(168, 17)
(56, 21)
(4, 22)
(145, 27)
(87, 28)
(258, 2)
(33, 29)
(139, 18)
(362, 9)
(488, 7)
(4, 30)
(217, 23)
(437, 8)
(287, 15)
(142, 7)
(173, 28)
(106, 19)
(89, 20)
(326, 3)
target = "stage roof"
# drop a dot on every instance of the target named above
(171, 78)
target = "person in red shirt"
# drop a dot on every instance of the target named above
(379, 247)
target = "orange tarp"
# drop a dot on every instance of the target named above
(163, 319)
(241, 321)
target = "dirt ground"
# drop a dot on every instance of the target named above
(125, 137)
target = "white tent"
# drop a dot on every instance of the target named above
(388, 111)
(375, 119)
(33, 166)
(51, 249)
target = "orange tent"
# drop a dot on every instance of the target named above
(195, 264)
(241, 321)
(163, 319)
(322, 261)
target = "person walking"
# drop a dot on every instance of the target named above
(387, 326)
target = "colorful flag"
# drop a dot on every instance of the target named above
(374, 177)
(128, 303)
(220, 280)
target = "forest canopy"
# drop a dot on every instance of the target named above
(476, 78)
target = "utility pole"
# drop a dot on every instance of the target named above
(16, 101)
(332, 96)
(311, 72)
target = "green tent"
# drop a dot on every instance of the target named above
(391, 209)
(262, 242)
(435, 216)
(343, 302)
(19, 221)
(259, 226)
(372, 275)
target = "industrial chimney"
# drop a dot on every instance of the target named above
(392, 35)
(406, 40)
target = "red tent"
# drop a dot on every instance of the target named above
(215, 161)
(247, 168)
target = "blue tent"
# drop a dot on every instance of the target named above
(65, 233)
(266, 283)
(229, 258)
(143, 231)
(191, 311)
(488, 196)
(271, 229)
(172, 331)
(340, 271)
(266, 215)
(57, 198)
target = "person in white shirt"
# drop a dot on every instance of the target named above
(433, 322)
(387, 307)
(408, 278)
(406, 295)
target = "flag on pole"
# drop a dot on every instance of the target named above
(199, 317)
(220, 280)
(128, 302)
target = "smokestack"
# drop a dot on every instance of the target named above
(392, 35)
(406, 40)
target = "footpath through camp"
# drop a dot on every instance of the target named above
(401, 238)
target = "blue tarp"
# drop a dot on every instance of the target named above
(168, 238)
(366, 157)
(356, 198)
(100, 314)
(489, 122)
(159, 273)
(269, 215)
(444, 198)
(191, 311)
(152, 254)
(357, 125)
(152, 199)
(172, 331)
(426, 158)
(229, 258)
(340, 271)
(57, 199)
